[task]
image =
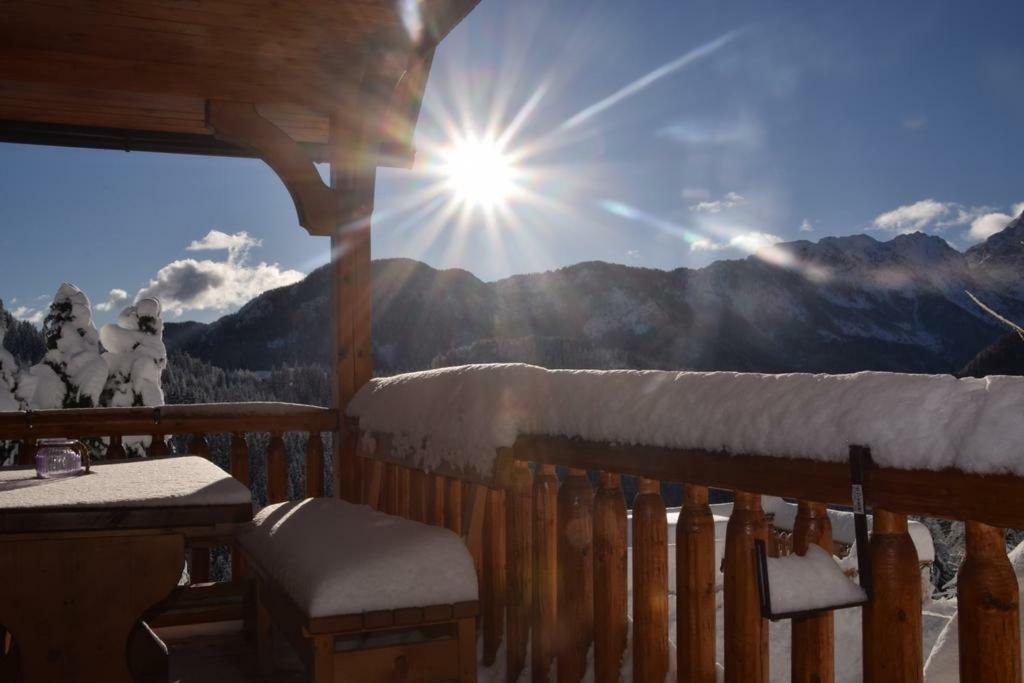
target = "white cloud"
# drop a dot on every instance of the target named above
(193, 284)
(751, 242)
(913, 217)
(236, 244)
(27, 314)
(730, 200)
(806, 226)
(116, 298)
(985, 226)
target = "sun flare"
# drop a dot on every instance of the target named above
(480, 173)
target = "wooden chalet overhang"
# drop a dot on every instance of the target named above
(290, 82)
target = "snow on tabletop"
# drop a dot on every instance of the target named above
(462, 415)
(149, 482)
(798, 583)
(337, 558)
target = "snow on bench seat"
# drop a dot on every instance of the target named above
(334, 558)
(460, 416)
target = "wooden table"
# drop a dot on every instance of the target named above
(83, 558)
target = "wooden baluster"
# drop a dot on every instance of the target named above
(116, 450)
(315, 465)
(545, 572)
(277, 469)
(158, 447)
(453, 505)
(519, 533)
(390, 488)
(239, 464)
(746, 632)
(650, 583)
(402, 502)
(813, 647)
(987, 609)
(435, 513)
(493, 603)
(27, 453)
(575, 575)
(892, 619)
(610, 590)
(200, 446)
(372, 482)
(418, 496)
(695, 587)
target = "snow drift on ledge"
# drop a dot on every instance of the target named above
(461, 415)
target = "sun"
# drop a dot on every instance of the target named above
(479, 173)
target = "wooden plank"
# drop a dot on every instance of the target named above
(544, 619)
(696, 575)
(650, 584)
(493, 594)
(277, 469)
(519, 582)
(946, 494)
(813, 637)
(746, 632)
(106, 519)
(610, 592)
(575, 631)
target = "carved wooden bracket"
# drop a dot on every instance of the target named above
(240, 124)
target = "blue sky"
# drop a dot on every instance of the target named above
(660, 134)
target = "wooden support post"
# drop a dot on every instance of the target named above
(239, 464)
(695, 587)
(988, 609)
(418, 496)
(435, 512)
(814, 636)
(575, 575)
(650, 583)
(610, 590)
(200, 446)
(277, 469)
(746, 633)
(403, 502)
(315, 465)
(453, 505)
(545, 572)
(373, 483)
(892, 619)
(158, 447)
(390, 488)
(116, 451)
(518, 517)
(493, 603)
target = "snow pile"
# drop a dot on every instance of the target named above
(335, 558)
(135, 357)
(943, 665)
(461, 415)
(798, 583)
(72, 373)
(8, 377)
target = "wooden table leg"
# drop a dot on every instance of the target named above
(71, 603)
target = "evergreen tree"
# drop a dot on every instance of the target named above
(72, 374)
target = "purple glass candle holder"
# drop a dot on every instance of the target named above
(60, 458)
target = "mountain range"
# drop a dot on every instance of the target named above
(835, 305)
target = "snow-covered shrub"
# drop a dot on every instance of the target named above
(72, 374)
(135, 357)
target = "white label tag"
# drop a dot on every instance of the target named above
(857, 493)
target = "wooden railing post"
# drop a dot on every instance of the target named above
(418, 496)
(390, 504)
(518, 513)
(239, 463)
(200, 446)
(435, 512)
(493, 603)
(610, 590)
(746, 632)
(116, 450)
(403, 502)
(650, 583)
(545, 572)
(988, 609)
(453, 505)
(892, 618)
(695, 587)
(813, 637)
(315, 465)
(575, 575)
(158, 447)
(199, 556)
(277, 469)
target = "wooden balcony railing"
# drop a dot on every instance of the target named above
(195, 426)
(552, 559)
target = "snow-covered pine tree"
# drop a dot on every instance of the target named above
(135, 357)
(72, 374)
(8, 376)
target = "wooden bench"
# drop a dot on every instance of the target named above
(353, 590)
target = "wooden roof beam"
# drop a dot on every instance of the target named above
(239, 123)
